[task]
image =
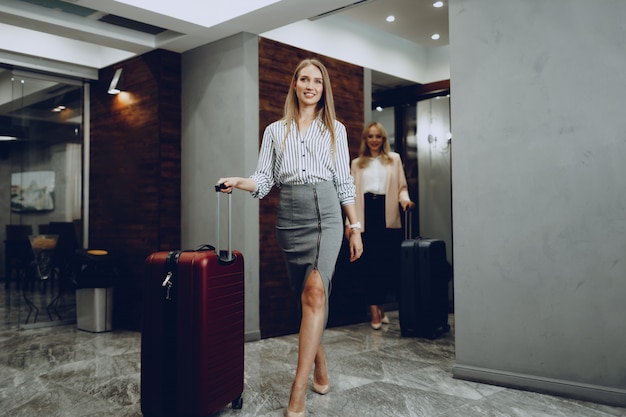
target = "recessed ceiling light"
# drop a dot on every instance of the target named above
(438, 4)
(378, 108)
(391, 18)
(435, 36)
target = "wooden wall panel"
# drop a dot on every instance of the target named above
(277, 61)
(134, 201)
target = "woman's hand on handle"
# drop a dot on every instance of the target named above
(407, 205)
(229, 183)
(226, 185)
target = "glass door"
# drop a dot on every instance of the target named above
(41, 131)
(420, 133)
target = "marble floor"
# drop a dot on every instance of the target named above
(64, 372)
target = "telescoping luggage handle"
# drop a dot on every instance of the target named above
(229, 253)
(408, 225)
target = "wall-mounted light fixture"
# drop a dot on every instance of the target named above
(11, 133)
(117, 84)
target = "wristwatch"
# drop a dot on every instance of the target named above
(356, 225)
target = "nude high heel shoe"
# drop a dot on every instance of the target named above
(295, 413)
(384, 319)
(321, 389)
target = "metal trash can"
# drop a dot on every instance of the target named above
(95, 283)
(94, 309)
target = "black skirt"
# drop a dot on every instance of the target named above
(379, 266)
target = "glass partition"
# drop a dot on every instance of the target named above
(41, 124)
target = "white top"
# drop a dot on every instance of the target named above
(304, 159)
(374, 177)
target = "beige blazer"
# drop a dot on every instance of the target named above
(396, 191)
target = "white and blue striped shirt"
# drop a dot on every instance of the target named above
(304, 159)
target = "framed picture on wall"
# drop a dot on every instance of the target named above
(32, 191)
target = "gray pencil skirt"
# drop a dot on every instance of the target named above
(309, 228)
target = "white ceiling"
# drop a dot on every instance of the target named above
(416, 20)
(67, 31)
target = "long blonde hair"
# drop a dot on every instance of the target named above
(364, 150)
(325, 107)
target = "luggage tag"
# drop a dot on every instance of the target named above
(171, 266)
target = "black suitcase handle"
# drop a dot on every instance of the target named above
(408, 225)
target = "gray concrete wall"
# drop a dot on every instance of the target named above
(220, 122)
(539, 202)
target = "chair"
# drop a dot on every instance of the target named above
(63, 257)
(59, 276)
(18, 254)
(63, 264)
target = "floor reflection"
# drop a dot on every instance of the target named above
(66, 372)
(36, 302)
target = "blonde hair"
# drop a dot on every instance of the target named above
(325, 107)
(364, 150)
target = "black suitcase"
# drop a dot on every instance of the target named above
(423, 300)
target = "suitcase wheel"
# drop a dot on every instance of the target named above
(432, 335)
(237, 403)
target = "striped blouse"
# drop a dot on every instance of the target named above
(304, 159)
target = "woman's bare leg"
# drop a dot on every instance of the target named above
(378, 316)
(310, 338)
(320, 373)
(375, 312)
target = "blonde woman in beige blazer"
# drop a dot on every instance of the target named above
(381, 190)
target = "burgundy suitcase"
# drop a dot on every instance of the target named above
(192, 341)
(424, 277)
